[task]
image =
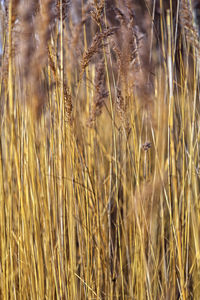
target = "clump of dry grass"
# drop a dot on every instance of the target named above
(110, 210)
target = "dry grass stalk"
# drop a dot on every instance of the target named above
(100, 93)
(67, 94)
(52, 62)
(65, 8)
(122, 107)
(97, 11)
(67, 105)
(95, 47)
(188, 24)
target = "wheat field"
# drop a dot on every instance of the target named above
(99, 149)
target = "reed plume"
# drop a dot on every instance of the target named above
(95, 47)
(100, 93)
(188, 24)
(122, 108)
(66, 91)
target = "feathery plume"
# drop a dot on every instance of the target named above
(100, 93)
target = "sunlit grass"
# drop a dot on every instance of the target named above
(102, 211)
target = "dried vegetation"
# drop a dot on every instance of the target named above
(99, 149)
